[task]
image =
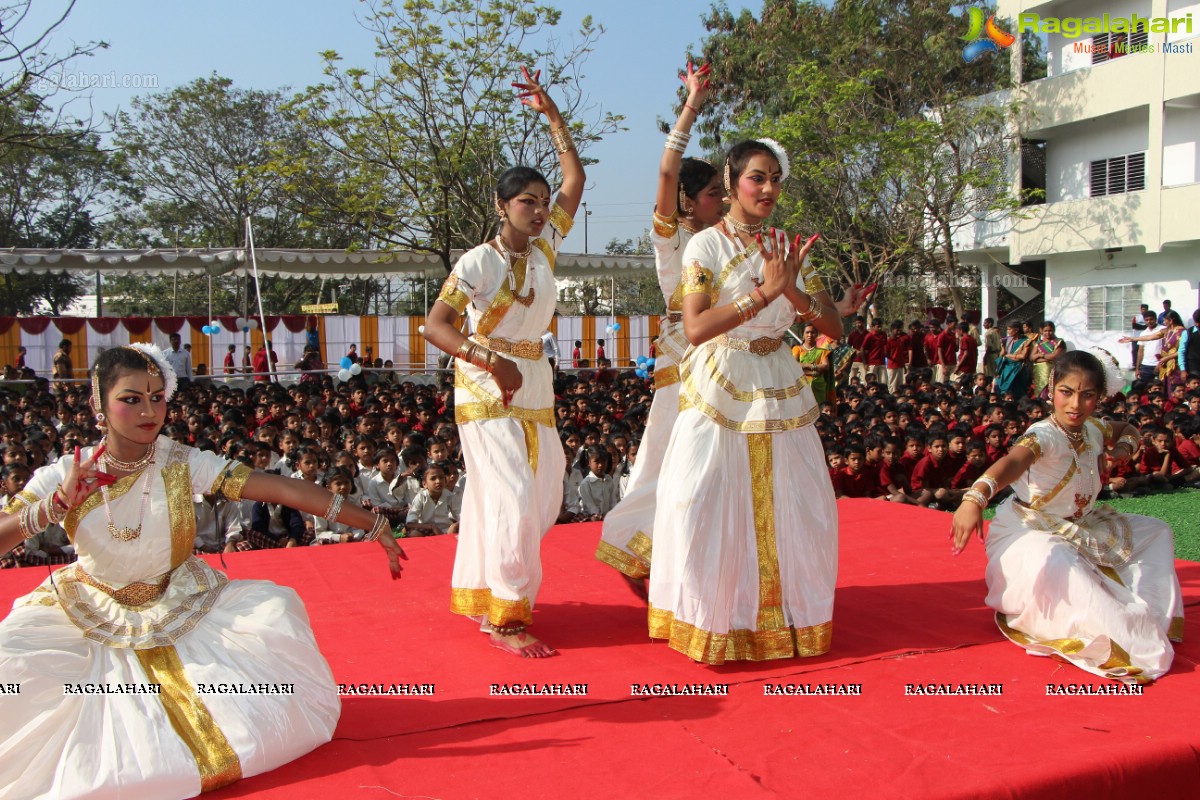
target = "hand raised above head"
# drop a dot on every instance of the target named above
(533, 94)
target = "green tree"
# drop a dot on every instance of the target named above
(874, 106)
(196, 155)
(405, 154)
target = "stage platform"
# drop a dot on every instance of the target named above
(907, 612)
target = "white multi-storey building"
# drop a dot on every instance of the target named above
(1112, 134)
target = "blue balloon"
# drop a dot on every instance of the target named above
(245, 329)
(345, 362)
(641, 373)
(650, 362)
(616, 326)
(641, 360)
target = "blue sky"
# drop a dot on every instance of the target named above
(268, 44)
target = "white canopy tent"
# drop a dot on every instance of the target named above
(285, 263)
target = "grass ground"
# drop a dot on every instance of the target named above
(1180, 509)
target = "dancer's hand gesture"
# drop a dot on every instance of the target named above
(84, 478)
(394, 553)
(534, 95)
(697, 83)
(779, 269)
(508, 377)
(854, 299)
(967, 520)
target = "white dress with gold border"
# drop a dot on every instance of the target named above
(512, 454)
(130, 614)
(629, 528)
(1077, 580)
(745, 550)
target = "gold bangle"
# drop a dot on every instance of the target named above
(561, 137)
(975, 496)
(464, 350)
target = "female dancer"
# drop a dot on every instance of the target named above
(1013, 374)
(504, 397)
(1045, 350)
(745, 554)
(690, 199)
(138, 609)
(1066, 577)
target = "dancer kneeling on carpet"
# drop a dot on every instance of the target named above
(745, 548)
(139, 610)
(504, 393)
(1069, 578)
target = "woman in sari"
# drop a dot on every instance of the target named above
(112, 653)
(1012, 372)
(504, 392)
(816, 363)
(688, 200)
(1043, 353)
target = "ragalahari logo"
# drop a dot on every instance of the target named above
(996, 39)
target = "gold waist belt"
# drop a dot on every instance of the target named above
(763, 346)
(135, 594)
(675, 316)
(529, 349)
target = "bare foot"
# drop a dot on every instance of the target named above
(522, 644)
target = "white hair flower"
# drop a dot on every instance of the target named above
(785, 166)
(155, 354)
(1114, 379)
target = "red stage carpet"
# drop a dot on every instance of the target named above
(907, 613)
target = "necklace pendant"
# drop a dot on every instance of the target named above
(124, 534)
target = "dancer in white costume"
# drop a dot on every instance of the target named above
(88, 646)
(504, 393)
(1066, 577)
(745, 548)
(689, 200)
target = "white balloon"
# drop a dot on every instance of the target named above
(355, 369)
(343, 375)
(214, 324)
(241, 322)
(421, 329)
(253, 324)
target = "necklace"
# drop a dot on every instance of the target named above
(513, 260)
(125, 533)
(742, 227)
(688, 228)
(738, 229)
(128, 466)
(1077, 455)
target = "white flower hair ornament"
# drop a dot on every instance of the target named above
(785, 166)
(156, 358)
(1114, 381)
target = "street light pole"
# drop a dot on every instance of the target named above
(586, 214)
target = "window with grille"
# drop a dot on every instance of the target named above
(1112, 308)
(1107, 46)
(1118, 175)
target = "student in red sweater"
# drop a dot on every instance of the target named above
(874, 351)
(972, 468)
(947, 351)
(956, 450)
(891, 477)
(897, 351)
(931, 476)
(854, 480)
(968, 352)
(994, 436)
